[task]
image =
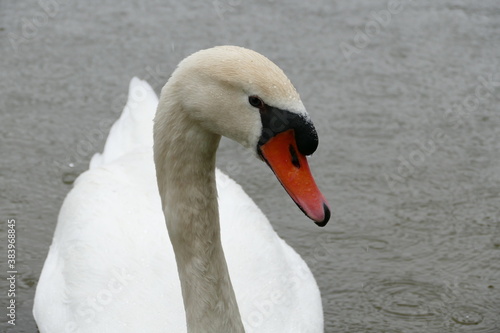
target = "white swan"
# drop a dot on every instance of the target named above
(111, 266)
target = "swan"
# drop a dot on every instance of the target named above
(153, 238)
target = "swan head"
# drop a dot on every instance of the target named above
(240, 94)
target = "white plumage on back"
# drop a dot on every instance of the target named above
(134, 127)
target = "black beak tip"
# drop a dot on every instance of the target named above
(327, 217)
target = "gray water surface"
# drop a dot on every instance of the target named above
(405, 99)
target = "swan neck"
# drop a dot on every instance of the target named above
(185, 165)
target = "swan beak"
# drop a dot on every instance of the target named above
(292, 170)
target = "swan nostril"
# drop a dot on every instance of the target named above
(295, 159)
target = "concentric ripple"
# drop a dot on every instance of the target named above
(467, 315)
(476, 317)
(432, 304)
(406, 298)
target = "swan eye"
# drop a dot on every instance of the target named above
(255, 102)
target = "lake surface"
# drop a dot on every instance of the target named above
(406, 103)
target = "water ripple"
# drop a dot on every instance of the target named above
(406, 298)
(417, 302)
(467, 315)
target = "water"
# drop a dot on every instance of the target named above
(406, 106)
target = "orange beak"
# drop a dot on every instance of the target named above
(292, 170)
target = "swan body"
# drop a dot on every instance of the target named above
(114, 267)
